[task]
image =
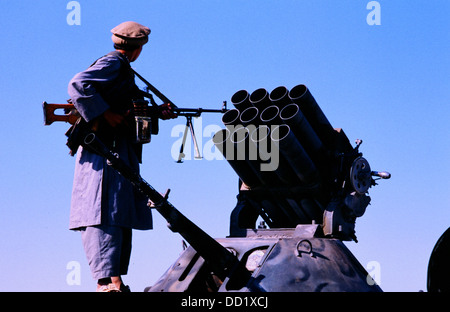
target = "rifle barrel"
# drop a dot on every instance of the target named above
(197, 110)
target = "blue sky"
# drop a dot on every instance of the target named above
(386, 84)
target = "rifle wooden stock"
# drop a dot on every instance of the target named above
(50, 116)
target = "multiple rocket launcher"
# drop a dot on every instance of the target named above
(304, 179)
(291, 122)
(285, 152)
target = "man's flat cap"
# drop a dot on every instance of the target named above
(130, 34)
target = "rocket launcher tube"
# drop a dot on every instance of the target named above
(301, 96)
(250, 116)
(241, 100)
(269, 156)
(292, 116)
(231, 117)
(280, 96)
(222, 141)
(260, 99)
(295, 154)
(270, 116)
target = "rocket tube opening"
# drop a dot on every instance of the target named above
(280, 132)
(259, 134)
(258, 95)
(297, 92)
(241, 100)
(279, 96)
(260, 98)
(289, 111)
(231, 117)
(249, 115)
(269, 115)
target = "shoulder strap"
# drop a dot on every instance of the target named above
(155, 91)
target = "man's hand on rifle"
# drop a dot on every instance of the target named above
(167, 111)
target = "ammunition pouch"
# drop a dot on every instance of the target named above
(76, 134)
(139, 132)
(78, 131)
(74, 137)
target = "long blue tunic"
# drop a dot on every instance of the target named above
(100, 195)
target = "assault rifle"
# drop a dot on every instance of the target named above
(71, 115)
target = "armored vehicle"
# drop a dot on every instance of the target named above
(306, 184)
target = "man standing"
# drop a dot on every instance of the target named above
(105, 207)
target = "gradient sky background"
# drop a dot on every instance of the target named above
(386, 84)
